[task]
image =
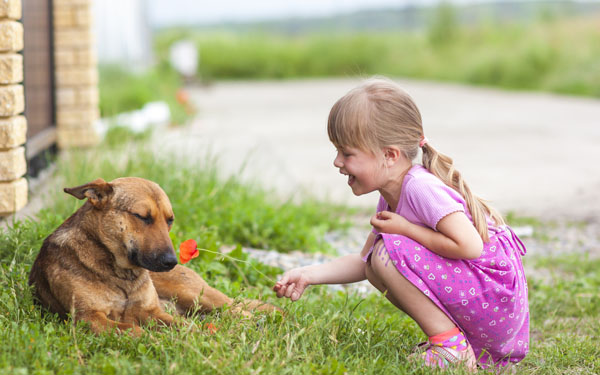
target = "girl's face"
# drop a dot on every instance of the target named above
(362, 168)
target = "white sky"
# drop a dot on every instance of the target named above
(164, 12)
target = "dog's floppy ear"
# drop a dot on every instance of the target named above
(97, 192)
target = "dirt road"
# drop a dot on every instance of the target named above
(535, 154)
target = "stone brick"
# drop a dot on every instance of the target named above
(12, 100)
(13, 196)
(76, 76)
(11, 36)
(82, 15)
(63, 17)
(69, 57)
(64, 57)
(12, 164)
(66, 3)
(65, 97)
(76, 117)
(13, 131)
(11, 68)
(72, 138)
(73, 37)
(87, 96)
(10, 9)
(87, 56)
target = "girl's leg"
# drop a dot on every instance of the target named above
(382, 273)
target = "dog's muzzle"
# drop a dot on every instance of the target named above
(156, 261)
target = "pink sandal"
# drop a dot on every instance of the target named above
(441, 356)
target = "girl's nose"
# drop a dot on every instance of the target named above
(337, 162)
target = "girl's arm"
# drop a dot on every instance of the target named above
(455, 238)
(343, 270)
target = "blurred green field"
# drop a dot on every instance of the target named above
(552, 54)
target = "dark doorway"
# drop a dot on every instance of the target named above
(38, 82)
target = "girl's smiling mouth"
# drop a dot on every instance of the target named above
(351, 179)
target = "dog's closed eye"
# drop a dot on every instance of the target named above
(146, 219)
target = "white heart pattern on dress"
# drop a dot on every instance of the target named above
(431, 276)
(485, 305)
(448, 289)
(397, 242)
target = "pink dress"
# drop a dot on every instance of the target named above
(486, 297)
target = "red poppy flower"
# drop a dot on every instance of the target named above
(210, 328)
(187, 251)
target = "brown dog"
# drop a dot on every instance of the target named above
(112, 260)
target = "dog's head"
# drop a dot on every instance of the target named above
(132, 217)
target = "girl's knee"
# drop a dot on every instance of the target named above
(374, 278)
(379, 258)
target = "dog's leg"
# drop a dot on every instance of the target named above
(99, 323)
(146, 315)
(251, 305)
(190, 291)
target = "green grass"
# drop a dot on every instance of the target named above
(557, 55)
(323, 333)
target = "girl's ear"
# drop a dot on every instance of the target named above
(391, 155)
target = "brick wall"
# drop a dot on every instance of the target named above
(76, 76)
(13, 126)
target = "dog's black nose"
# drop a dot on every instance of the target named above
(167, 260)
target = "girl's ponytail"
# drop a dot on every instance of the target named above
(442, 166)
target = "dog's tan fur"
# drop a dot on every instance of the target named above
(112, 262)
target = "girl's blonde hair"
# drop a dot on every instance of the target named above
(378, 114)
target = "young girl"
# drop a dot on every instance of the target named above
(440, 253)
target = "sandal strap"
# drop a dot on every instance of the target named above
(421, 347)
(445, 353)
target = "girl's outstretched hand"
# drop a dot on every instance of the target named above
(292, 284)
(389, 222)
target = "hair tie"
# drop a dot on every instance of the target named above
(423, 142)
